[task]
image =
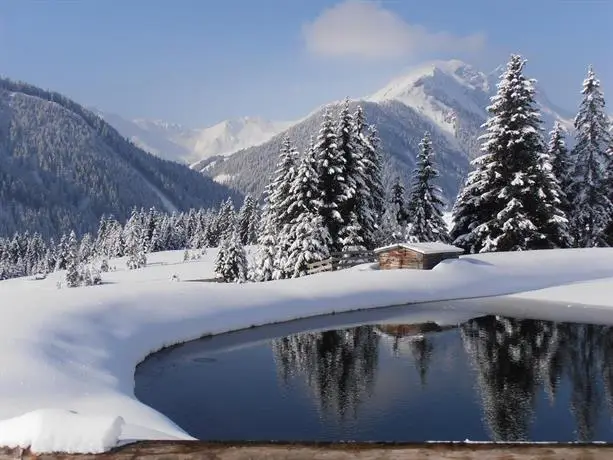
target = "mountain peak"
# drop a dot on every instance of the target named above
(437, 88)
(436, 73)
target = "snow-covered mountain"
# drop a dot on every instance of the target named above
(447, 98)
(186, 145)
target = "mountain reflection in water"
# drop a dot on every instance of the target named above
(524, 379)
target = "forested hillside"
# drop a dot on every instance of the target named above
(400, 128)
(62, 167)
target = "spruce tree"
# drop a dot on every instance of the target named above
(425, 203)
(281, 183)
(274, 216)
(310, 244)
(226, 220)
(375, 172)
(245, 220)
(371, 196)
(136, 242)
(561, 164)
(305, 237)
(508, 203)
(61, 253)
(591, 191)
(398, 199)
(390, 230)
(267, 242)
(354, 181)
(331, 172)
(351, 236)
(553, 204)
(72, 261)
(231, 261)
(220, 259)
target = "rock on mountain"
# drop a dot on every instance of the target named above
(447, 98)
(62, 167)
(195, 146)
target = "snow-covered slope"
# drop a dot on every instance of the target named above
(448, 98)
(175, 142)
(68, 355)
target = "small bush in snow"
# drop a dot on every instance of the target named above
(82, 275)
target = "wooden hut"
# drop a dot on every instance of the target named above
(420, 256)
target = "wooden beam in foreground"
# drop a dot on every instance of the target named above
(188, 450)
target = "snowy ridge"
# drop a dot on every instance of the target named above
(175, 142)
(76, 349)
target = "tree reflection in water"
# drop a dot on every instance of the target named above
(339, 366)
(513, 360)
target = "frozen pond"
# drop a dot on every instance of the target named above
(413, 373)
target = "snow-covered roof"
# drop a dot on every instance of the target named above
(423, 248)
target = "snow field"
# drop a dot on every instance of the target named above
(69, 355)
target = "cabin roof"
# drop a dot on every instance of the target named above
(423, 248)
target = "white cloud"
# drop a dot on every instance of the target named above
(364, 29)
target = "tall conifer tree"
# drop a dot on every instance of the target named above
(508, 202)
(591, 190)
(425, 203)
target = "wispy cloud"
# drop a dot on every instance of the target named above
(365, 29)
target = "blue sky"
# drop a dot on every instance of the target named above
(197, 62)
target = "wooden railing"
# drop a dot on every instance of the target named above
(342, 260)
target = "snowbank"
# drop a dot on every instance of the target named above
(54, 430)
(76, 349)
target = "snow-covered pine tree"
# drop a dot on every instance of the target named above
(274, 216)
(591, 190)
(351, 238)
(135, 236)
(553, 202)
(331, 172)
(86, 250)
(310, 244)
(390, 230)
(506, 202)
(220, 259)
(246, 217)
(152, 224)
(425, 203)
(377, 187)
(267, 241)
(72, 261)
(561, 163)
(231, 262)
(370, 197)
(306, 239)
(61, 253)
(351, 151)
(227, 218)
(398, 200)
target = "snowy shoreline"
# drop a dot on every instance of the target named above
(77, 349)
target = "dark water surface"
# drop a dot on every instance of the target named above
(395, 377)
